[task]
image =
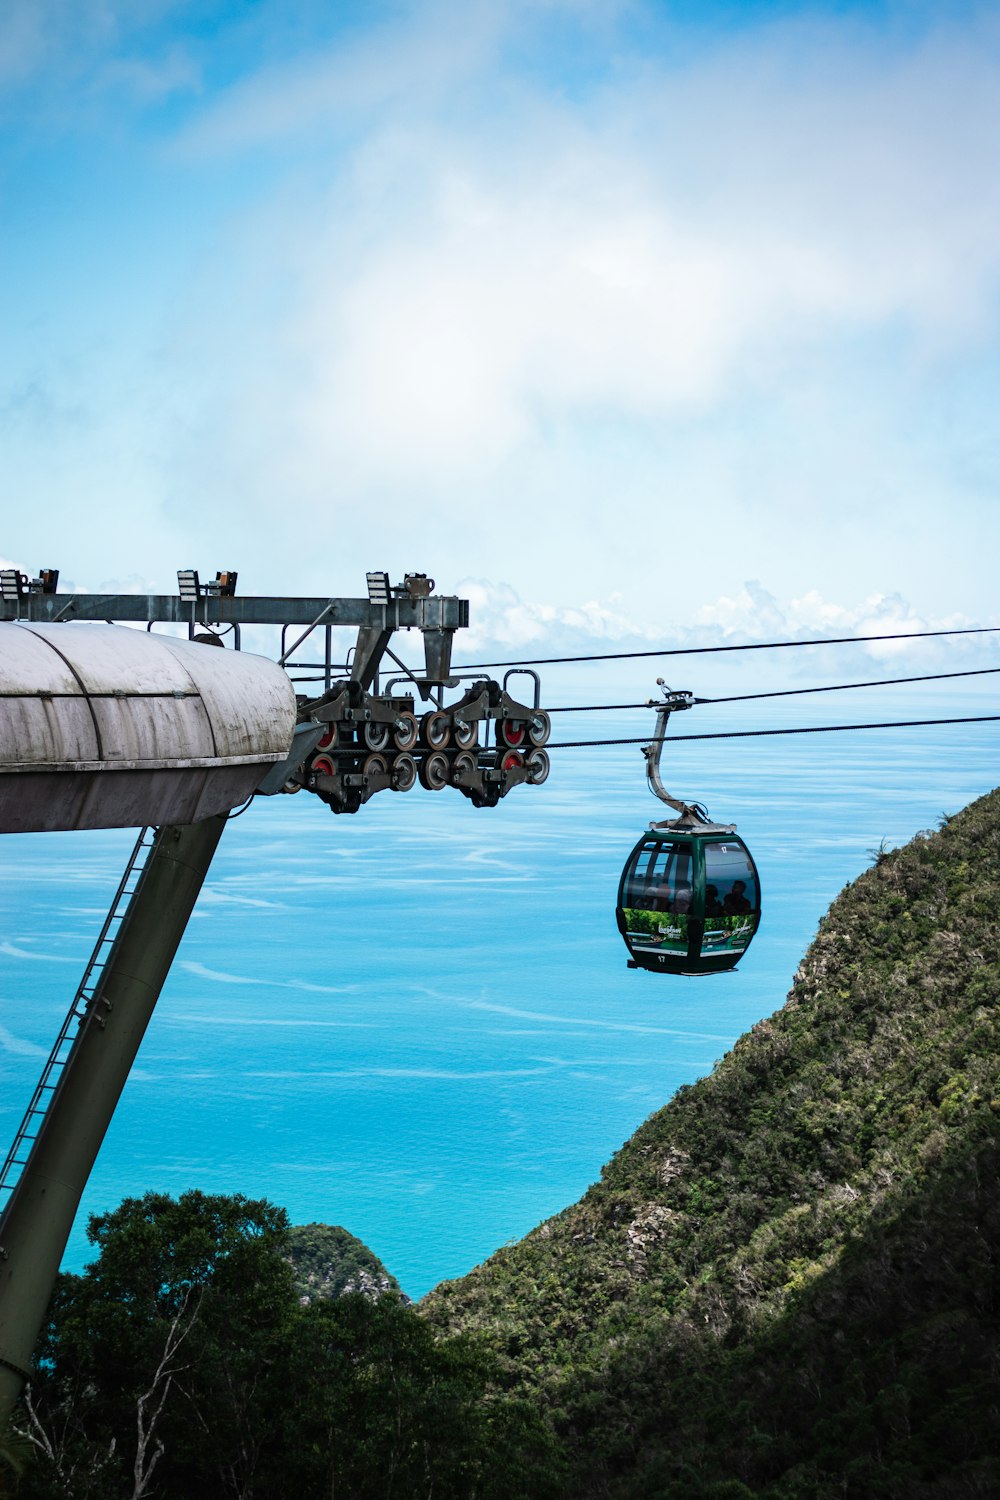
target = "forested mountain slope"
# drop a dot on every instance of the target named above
(784, 1287)
(328, 1261)
(785, 1283)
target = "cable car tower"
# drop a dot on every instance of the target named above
(110, 727)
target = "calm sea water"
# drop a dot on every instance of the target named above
(417, 1022)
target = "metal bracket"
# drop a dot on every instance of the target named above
(690, 813)
(304, 741)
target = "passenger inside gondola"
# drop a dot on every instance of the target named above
(736, 903)
(728, 870)
(672, 890)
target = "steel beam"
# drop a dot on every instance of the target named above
(438, 612)
(39, 1216)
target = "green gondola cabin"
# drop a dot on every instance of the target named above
(689, 899)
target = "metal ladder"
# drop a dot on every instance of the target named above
(83, 1011)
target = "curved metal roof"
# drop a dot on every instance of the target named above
(102, 726)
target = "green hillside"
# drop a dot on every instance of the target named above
(784, 1287)
(785, 1283)
(328, 1261)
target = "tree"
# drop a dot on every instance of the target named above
(157, 1357)
(182, 1365)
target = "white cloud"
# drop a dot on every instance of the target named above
(554, 333)
(504, 624)
(407, 62)
(150, 81)
(500, 617)
(22, 40)
(569, 294)
(65, 45)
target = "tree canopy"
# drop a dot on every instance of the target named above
(183, 1364)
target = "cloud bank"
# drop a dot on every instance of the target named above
(584, 297)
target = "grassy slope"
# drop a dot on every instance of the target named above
(786, 1279)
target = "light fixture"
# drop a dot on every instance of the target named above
(188, 585)
(378, 588)
(11, 583)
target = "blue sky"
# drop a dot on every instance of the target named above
(634, 323)
(596, 311)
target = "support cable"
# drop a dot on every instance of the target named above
(744, 734)
(836, 640)
(833, 687)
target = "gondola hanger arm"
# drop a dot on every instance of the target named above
(672, 701)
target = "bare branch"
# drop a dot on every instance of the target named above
(149, 1407)
(35, 1433)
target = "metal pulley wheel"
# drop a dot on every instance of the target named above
(511, 732)
(375, 735)
(375, 765)
(466, 733)
(464, 764)
(537, 765)
(404, 771)
(321, 765)
(510, 760)
(436, 731)
(538, 733)
(405, 730)
(434, 770)
(329, 737)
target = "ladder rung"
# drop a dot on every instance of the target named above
(81, 1010)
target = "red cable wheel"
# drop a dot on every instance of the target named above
(436, 731)
(510, 760)
(322, 766)
(537, 765)
(538, 732)
(434, 770)
(404, 771)
(511, 732)
(405, 731)
(375, 735)
(328, 738)
(375, 765)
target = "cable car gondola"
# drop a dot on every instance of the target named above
(689, 896)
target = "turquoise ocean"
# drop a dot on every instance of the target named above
(418, 1022)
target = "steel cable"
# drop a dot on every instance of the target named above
(836, 640)
(742, 734)
(833, 687)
